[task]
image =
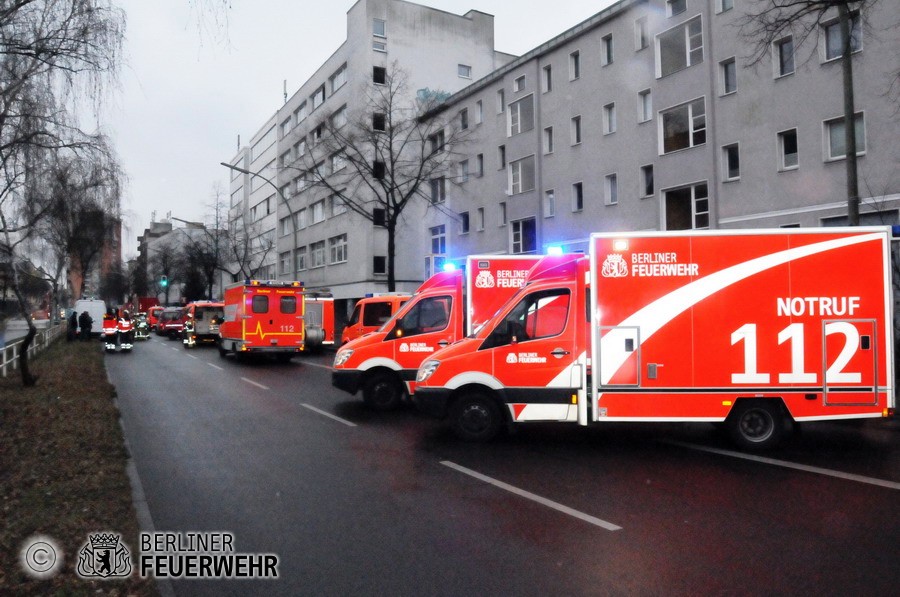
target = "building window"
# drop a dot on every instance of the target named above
(683, 126)
(337, 248)
(318, 211)
(285, 128)
(519, 83)
(679, 47)
(464, 222)
(438, 189)
(574, 66)
(524, 236)
(835, 137)
(284, 262)
(379, 46)
(317, 254)
(338, 206)
(479, 112)
(318, 97)
(300, 257)
(501, 155)
(339, 78)
(548, 140)
(339, 118)
(731, 160)
(606, 55)
(464, 119)
(641, 34)
(577, 196)
(501, 101)
(727, 76)
(833, 46)
(464, 171)
(549, 204)
(379, 121)
(378, 170)
(647, 189)
(675, 7)
(379, 216)
(521, 116)
(379, 75)
(609, 119)
(687, 208)
(645, 106)
(784, 52)
(612, 189)
(438, 240)
(547, 81)
(788, 152)
(285, 226)
(479, 165)
(301, 219)
(502, 213)
(378, 27)
(521, 175)
(300, 113)
(724, 5)
(464, 71)
(575, 130)
(379, 265)
(436, 142)
(479, 219)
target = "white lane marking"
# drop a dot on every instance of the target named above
(215, 367)
(792, 465)
(253, 383)
(318, 365)
(192, 357)
(329, 415)
(535, 498)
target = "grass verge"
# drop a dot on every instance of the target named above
(62, 471)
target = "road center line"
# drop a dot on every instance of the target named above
(318, 365)
(329, 415)
(253, 383)
(190, 356)
(215, 367)
(533, 497)
(791, 465)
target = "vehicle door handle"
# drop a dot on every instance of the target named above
(443, 343)
(559, 352)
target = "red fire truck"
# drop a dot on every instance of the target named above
(757, 329)
(263, 317)
(383, 364)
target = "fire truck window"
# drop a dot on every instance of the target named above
(289, 304)
(428, 315)
(198, 316)
(354, 317)
(376, 314)
(260, 304)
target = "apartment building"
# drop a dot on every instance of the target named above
(649, 116)
(318, 240)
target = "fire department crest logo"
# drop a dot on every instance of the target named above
(404, 347)
(484, 279)
(614, 266)
(512, 359)
(103, 556)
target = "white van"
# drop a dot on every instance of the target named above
(96, 309)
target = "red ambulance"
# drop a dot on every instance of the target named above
(447, 306)
(757, 329)
(371, 312)
(263, 317)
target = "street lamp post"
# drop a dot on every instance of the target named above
(278, 191)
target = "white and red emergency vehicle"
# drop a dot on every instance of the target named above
(371, 312)
(444, 309)
(263, 317)
(319, 321)
(754, 328)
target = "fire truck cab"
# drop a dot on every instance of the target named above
(371, 312)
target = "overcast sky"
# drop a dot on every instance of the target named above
(191, 85)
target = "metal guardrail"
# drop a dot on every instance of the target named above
(43, 339)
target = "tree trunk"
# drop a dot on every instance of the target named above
(849, 118)
(391, 249)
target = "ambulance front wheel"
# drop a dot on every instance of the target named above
(758, 424)
(382, 392)
(475, 418)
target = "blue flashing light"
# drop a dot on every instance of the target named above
(449, 266)
(554, 250)
(895, 230)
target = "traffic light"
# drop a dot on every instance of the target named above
(164, 281)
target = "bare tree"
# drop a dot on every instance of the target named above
(245, 247)
(769, 21)
(165, 261)
(376, 161)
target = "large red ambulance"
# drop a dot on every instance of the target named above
(263, 317)
(383, 364)
(757, 329)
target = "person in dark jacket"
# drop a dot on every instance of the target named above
(84, 322)
(73, 327)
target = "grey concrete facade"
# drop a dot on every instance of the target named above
(756, 154)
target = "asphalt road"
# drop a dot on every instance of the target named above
(355, 502)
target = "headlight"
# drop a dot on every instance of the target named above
(341, 357)
(426, 370)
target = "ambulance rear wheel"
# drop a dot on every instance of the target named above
(475, 418)
(758, 424)
(222, 351)
(382, 392)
